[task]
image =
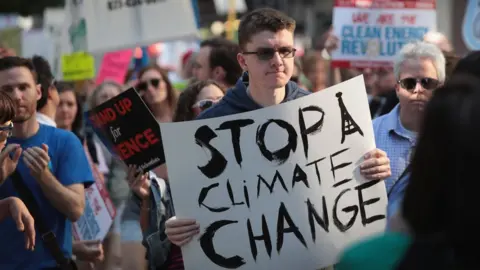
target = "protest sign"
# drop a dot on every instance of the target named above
(371, 32)
(99, 212)
(114, 66)
(78, 66)
(128, 129)
(277, 188)
(93, 26)
(53, 25)
(471, 25)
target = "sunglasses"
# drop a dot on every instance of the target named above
(8, 129)
(265, 54)
(143, 86)
(204, 104)
(426, 83)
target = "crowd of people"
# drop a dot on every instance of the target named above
(423, 112)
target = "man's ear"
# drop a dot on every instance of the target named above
(242, 61)
(219, 74)
(397, 89)
(38, 89)
(50, 91)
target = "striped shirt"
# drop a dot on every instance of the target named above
(175, 259)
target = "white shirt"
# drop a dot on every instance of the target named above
(102, 161)
(45, 120)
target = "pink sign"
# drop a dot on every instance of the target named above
(114, 66)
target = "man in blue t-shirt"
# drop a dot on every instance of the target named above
(53, 166)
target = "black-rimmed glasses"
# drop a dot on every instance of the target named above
(7, 129)
(265, 54)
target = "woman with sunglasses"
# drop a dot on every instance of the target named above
(157, 92)
(198, 96)
(9, 156)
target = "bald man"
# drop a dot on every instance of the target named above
(438, 39)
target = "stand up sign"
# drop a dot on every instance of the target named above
(128, 129)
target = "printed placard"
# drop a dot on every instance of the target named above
(94, 26)
(128, 129)
(114, 66)
(471, 25)
(277, 188)
(78, 66)
(371, 32)
(99, 211)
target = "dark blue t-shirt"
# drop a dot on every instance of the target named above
(69, 164)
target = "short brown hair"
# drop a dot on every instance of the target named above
(7, 108)
(263, 19)
(10, 62)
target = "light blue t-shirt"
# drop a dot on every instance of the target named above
(69, 164)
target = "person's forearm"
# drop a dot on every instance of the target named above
(144, 214)
(4, 208)
(65, 200)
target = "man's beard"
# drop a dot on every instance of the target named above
(22, 118)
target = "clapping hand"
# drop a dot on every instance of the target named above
(9, 164)
(37, 160)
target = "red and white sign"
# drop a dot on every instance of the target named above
(371, 32)
(99, 212)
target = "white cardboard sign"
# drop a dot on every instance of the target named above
(277, 188)
(108, 25)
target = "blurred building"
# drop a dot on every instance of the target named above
(313, 17)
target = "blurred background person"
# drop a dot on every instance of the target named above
(438, 39)
(48, 103)
(315, 68)
(114, 171)
(217, 60)
(69, 115)
(161, 253)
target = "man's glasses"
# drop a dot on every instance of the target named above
(143, 86)
(8, 130)
(427, 83)
(204, 104)
(265, 54)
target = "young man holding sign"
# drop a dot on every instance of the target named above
(267, 57)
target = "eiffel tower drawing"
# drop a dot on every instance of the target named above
(349, 126)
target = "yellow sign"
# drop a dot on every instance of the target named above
(78, 66)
